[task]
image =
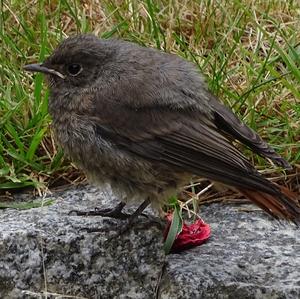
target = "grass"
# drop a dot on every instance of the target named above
(248, 50)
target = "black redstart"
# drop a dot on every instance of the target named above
(145, 122)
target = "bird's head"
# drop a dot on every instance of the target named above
(76, 63)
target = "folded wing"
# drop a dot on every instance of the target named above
(188, 141)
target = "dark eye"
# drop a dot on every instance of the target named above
(74, 69)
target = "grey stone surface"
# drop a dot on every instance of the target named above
(47, 250)
(248, 256)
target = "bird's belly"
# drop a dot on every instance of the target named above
(130, 176)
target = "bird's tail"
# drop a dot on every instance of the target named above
(284, 205)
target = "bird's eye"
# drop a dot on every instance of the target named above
(74, 69)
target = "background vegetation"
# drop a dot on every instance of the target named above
(248, 50)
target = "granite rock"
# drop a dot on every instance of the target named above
(248, 256)
(47, 253)
(46, 250)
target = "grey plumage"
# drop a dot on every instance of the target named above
(145, 121)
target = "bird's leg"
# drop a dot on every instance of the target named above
(138, 211)
(115, 212)
(130, 218)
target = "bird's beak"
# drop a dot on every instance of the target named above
(38, 67)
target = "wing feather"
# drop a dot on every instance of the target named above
(196, 148)
(228, 122)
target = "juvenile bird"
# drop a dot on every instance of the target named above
(145, 122)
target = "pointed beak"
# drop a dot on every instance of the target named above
(38, 67)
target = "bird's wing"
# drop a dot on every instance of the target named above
(190, 140)
(228, 122)
(182, 139)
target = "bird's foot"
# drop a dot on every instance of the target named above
(115, 212)
(128, 224)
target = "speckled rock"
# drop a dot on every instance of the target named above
(45, 250)
(249, 256)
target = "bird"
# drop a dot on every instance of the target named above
(145, 122)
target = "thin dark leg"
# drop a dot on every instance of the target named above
(115, 212)
(139, 210)
(130, 218)
(133, 216)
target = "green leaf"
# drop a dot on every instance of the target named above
(26, 205)
(12, 185)
(175, 229)
(36, 140)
